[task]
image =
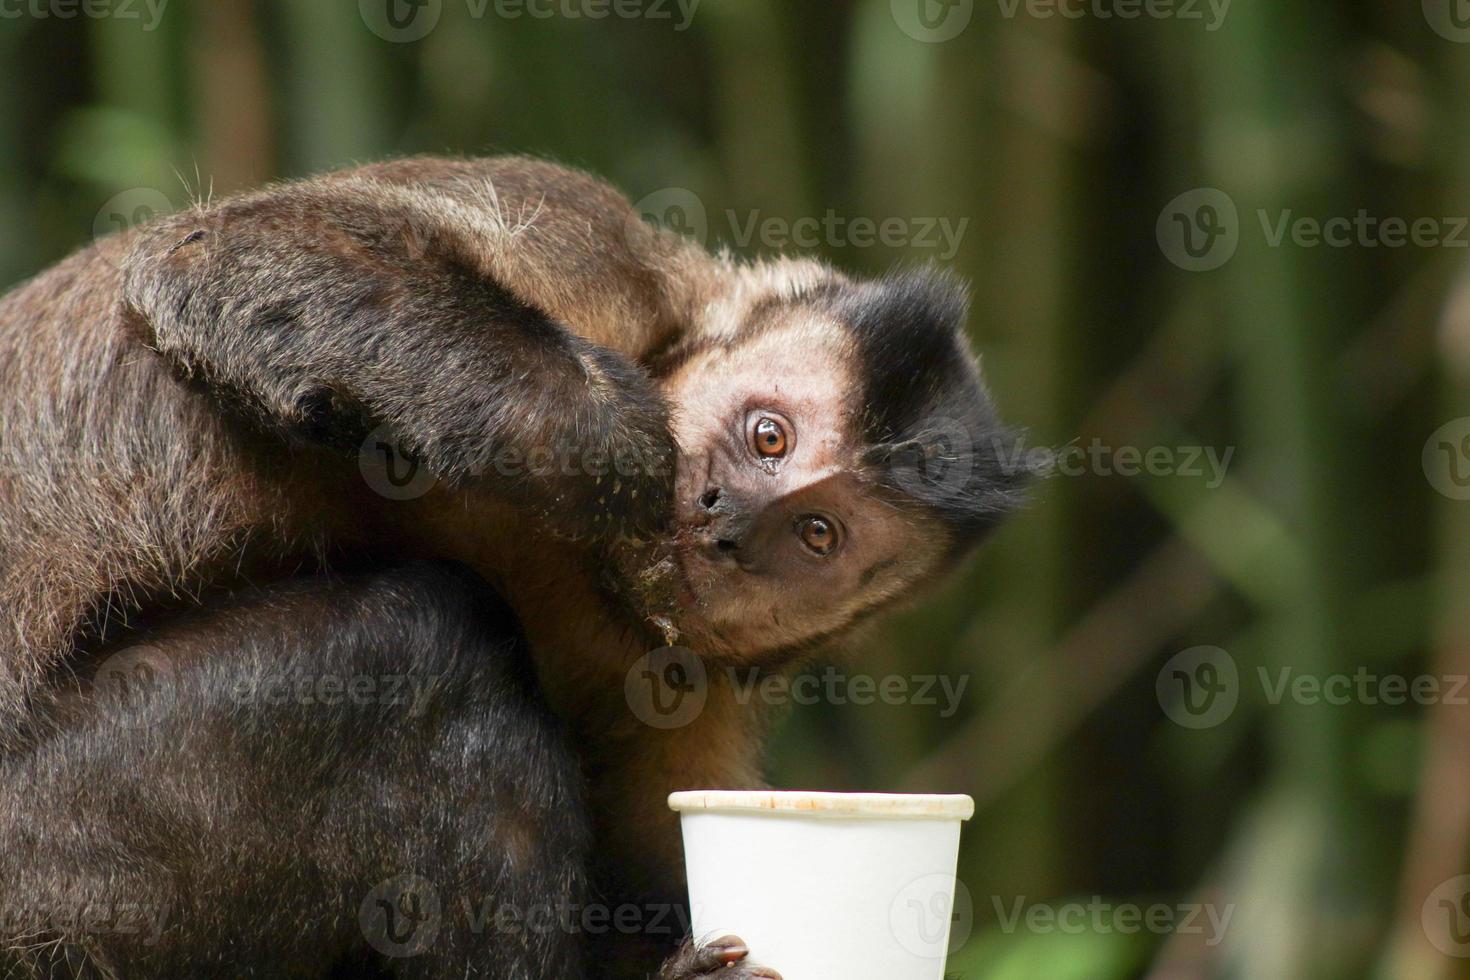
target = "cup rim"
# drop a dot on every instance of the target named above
(924, 806)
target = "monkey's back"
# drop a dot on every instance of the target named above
(117, 483)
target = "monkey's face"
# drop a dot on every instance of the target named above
(781, 540)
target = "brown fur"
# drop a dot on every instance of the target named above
(174, 405)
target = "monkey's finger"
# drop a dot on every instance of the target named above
(694, 961)
(719, 952)
(727, 952)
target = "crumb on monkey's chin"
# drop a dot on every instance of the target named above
(650, 579)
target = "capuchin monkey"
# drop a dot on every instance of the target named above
(620, 441)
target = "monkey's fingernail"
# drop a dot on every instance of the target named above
(729, 949)
(765, 972)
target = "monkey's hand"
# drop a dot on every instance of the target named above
(358, 316)
(724, 957)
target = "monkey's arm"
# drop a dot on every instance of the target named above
(712, 742)
(581, 251)
(333, 308)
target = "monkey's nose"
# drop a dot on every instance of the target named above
(703, 512)
(719, 547)
(723, 520)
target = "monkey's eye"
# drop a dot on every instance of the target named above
(818, 534)
(769, 439)
(770, 435)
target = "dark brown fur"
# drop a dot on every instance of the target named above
(180, 410)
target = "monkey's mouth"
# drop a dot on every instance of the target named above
(686, 559)
(698, 571)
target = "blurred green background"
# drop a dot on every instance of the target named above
(1109, 311)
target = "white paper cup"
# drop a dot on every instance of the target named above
(826, 886)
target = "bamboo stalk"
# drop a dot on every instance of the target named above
(1263, 98)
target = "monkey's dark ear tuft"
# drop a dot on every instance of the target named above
(930, 426)
(909, 332)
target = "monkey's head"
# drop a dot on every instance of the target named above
(838, 450)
